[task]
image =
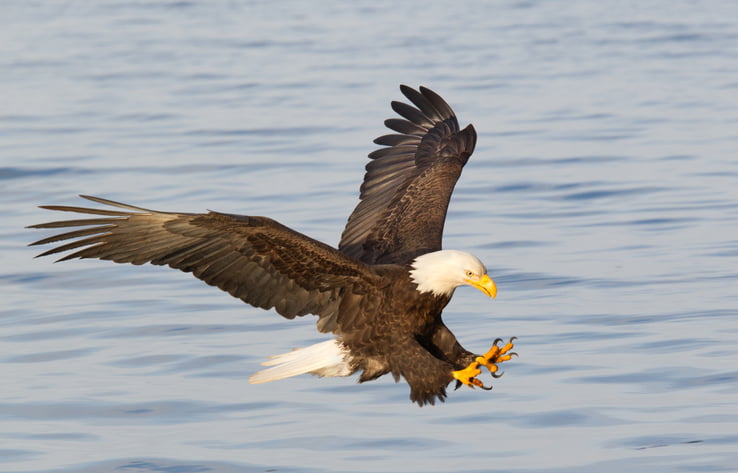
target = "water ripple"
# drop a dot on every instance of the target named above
(601, 195)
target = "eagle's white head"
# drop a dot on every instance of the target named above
(440, 272)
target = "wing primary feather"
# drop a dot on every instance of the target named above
(403, 126)
(397, 140)
(74, 234)
(425, 105)
(412, 114)
(75, 244)
(382, 152)
(113, 203)
(394, 159)
(81, 210)
(438, 103)
(87, 252)
(178, 257)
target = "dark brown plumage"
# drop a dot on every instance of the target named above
(408, 185)
(374, 293)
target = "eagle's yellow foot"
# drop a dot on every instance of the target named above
(467, 376)
(496, 354)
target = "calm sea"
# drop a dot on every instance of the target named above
(603, 196)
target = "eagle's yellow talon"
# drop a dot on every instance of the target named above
(467, 376)
(504, 358)
(496, 354)
(508, 346)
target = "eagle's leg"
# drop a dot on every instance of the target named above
(496, 354)
(467, 376)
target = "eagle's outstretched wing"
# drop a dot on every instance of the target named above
(408, 185)
(256, 259)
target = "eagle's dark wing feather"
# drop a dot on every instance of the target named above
(255, 259)
(408, 185)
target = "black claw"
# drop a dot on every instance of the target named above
(486, 388)
(458, 385)
(497, 375)
(512, 353)
(512, 339)
(497, 340)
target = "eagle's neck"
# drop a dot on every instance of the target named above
(434, 273)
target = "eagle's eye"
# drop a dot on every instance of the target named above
(469, 274)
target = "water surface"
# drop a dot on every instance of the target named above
(602, 196)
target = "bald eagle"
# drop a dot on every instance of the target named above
(380, 293)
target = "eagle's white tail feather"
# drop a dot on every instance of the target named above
(329, 358)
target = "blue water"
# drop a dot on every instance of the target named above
(603, 196)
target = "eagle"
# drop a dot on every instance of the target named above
(380, 293)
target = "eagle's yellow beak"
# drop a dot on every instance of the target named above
(484, 284)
